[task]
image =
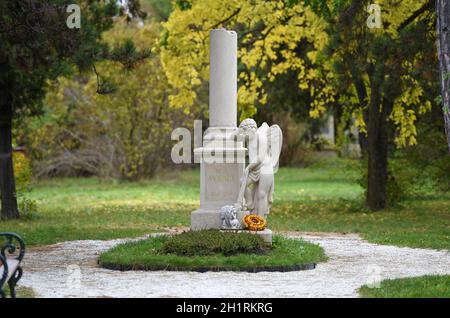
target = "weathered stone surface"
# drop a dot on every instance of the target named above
(220, 181)
(223, 78)
(266, 235)
(202, 219)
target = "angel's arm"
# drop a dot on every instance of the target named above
(259, 153)
(252, 154)
(254, 165)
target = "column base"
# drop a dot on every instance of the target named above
(203, 219)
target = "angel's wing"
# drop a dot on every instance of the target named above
(275, 144)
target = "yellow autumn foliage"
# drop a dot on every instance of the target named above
(270, 33)
(22, 171)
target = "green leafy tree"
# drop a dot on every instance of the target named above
(384, 69)
(37, 45)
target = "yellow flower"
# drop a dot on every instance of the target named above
(254, 222)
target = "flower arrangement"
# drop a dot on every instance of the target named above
(254, 222)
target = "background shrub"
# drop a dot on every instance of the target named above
(23, 173)
(405, 180)
(207, 242)
(125, 134)
(430, 156)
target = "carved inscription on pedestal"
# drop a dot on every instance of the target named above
(222, 182)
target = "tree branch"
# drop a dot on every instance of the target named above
(227, 19)
(426, 7)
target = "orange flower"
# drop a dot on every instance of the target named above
(254, 222)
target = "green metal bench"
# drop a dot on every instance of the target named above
(12, 251)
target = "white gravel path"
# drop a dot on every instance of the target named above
(69, 269)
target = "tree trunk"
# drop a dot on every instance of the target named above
(377, 151)
(443, 48)
(7, 182)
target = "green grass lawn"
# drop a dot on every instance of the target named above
(285, 255)
(322, 197)
(416, 287)
(21, 292)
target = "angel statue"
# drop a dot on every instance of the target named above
(257, 184)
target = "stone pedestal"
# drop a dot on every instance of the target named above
(221, 168)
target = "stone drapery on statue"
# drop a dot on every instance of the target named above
(257, 184)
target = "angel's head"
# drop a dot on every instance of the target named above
(248, 127)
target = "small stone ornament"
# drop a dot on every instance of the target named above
(229, 219)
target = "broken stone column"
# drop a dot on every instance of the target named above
(222, 159)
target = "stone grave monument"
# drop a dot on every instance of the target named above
(230, 189)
